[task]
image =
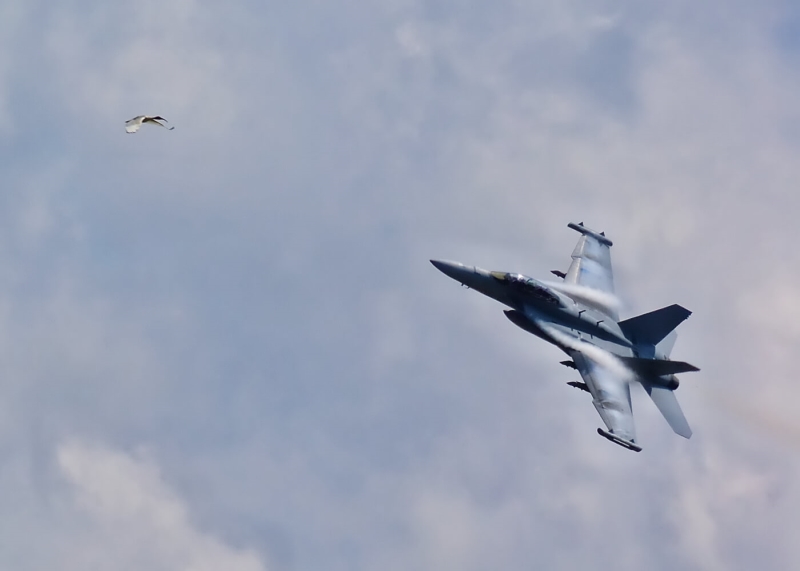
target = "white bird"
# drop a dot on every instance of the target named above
(132, 125)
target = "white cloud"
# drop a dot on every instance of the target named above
(12, 17)
(135, 520)
(234, 290)
(410, 40)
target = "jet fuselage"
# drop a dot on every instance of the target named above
(535, 301)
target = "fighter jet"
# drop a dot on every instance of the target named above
(580, 316)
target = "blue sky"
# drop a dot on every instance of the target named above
(224, 347)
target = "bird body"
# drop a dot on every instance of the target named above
(132, 125)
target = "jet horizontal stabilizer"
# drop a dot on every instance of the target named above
(656, 367)
(617, 440)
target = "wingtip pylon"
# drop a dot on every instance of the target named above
(599, 236)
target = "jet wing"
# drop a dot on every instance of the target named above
(612, 399)
(591, 263)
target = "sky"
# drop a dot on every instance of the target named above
(223, 346)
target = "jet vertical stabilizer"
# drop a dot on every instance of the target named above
(664, 399)
(651, 328)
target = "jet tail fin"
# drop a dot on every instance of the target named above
(651, 328)
(666, 402)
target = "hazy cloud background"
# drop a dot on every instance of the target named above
(224, 347)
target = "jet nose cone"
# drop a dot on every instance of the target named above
(441, 264)
(472, 277)
(454, 270)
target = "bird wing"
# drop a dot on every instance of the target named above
(159, 123)
(132, 125)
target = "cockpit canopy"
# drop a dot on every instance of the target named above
(527, 286)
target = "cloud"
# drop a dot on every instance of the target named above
(13, 17)
(251, 297)
(134, 520)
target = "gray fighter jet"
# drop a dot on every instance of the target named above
(579, 315)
